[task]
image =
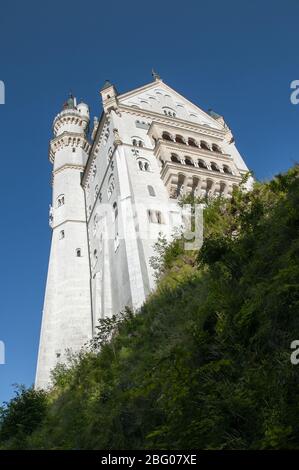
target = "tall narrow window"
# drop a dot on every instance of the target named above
(115, 211)
(143, 165)
(60, 200)
(61, 234)
(151, 191)
(116, 241)
(78, 252)
(159, 217)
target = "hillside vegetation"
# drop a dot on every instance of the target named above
(206, 362)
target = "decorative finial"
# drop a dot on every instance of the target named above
(155, 75)
(70, 103)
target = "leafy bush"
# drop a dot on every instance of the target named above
(206, 362)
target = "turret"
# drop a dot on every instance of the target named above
(70, 129)
(109, 96)
(67, 319)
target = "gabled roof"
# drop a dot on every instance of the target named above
(160, 85)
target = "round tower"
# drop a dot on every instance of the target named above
(67, 315)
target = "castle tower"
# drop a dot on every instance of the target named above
(67, 319)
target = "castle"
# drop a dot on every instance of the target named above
(115, 188)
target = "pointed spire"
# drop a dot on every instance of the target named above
(70, 103)
(107, 84)
(155, 75)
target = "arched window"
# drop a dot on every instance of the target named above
(222, 190)
(143, 165)
(137, 142)
(179, 139)
(209, 189)
(227, 170)
(214, 167)
(169, 112)
(166, 136)
(151, 191)
(192, 142)
(60, 200)
(180, 186)
(216, 148)
(202, 164)
(188, 161)
(61, 234)
(204, 145)
(174, 158)
(78, 252)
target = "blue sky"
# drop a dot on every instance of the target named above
(237, 57)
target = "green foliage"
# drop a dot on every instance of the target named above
(206, 362)
(21, 416)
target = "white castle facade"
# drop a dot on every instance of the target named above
(114, 190)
